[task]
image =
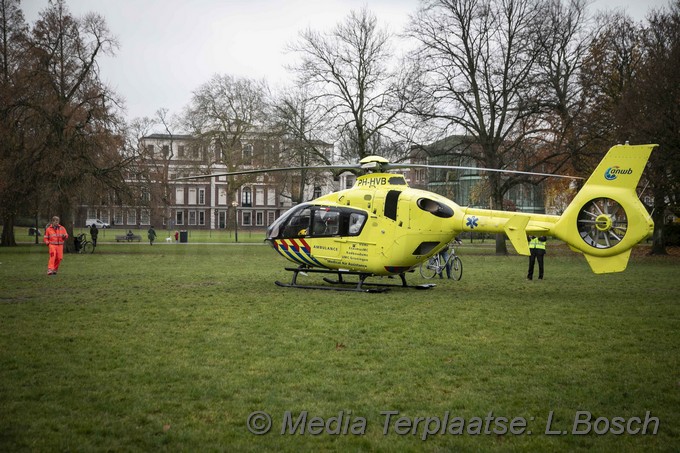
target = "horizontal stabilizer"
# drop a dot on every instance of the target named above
(608, 264)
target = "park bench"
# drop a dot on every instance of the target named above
(125, 237)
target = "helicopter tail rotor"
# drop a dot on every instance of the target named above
(606, 218)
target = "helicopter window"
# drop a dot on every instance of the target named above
(298, 225)
(435, 207)
(397, 181)
(326, 222)
(317, 221)
(356, 221)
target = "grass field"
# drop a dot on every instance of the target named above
(173, 347)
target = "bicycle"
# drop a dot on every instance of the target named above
(436, 264)
(83, 245)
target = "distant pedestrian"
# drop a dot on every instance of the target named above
(152, 235)
(537, 252)
(55, 236)
(94, 232)
(176, 236)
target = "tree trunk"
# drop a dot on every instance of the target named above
(8, 239)
(497, 203)
(658, 238)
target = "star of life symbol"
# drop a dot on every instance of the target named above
(471, 222)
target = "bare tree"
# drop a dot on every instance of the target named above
(477, 60)
(229, 115)
(348, 73)
(304, 140)
(224, 111)
(564, 37)
(150, 175)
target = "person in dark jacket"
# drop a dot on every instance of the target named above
(151, 235)
(537, 252)
(94, 232)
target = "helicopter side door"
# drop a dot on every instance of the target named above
(333, 232)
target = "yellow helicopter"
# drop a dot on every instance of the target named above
(381, 227)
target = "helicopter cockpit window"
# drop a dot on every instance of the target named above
(326, 222)
(317, 221)
(298, 224)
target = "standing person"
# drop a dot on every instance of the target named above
(152, 235)
(94, 232)
(55, 236)
(537, 252)
(444, 256)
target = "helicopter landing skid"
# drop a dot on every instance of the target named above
(359, 286)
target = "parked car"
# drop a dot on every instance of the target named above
(99, 223)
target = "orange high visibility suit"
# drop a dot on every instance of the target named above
(55, 238)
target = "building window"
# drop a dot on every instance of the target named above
(91, 213)
(166, 151)
(180, 151)
(271, 217)
(271, 196)
(179, 218)
(150, 149)
(247, 154)
(317, 192)
(118, 217)
(131, 217)
(192, 195)
(259, 196)
(145, 217)
(246, 197)
(259, 218)
(179, 195)
(201, 218)
(201, 196)
(192, 217)
(222, 196)
(246, 218)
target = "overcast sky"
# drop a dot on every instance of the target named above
(168, 48)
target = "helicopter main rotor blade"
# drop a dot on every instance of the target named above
(370, 167)
(457, 167)
(269, 170)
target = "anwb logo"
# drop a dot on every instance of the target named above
(611, 173)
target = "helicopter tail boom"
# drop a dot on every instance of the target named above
(604, 220)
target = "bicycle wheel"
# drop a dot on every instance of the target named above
(456, 267)
(88, 247)
(430, 268)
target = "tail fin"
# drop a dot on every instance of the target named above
(606, 218)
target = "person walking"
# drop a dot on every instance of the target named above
(536, 253)
(55, 236)
(152, 235)
(94, 232)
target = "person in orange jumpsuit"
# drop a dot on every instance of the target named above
(55, 236)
